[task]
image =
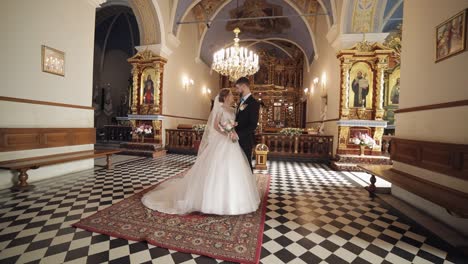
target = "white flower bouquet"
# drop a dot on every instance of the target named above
(363, 140)
(199, 128)
(291, 131)
(229, 128)
(143, 130)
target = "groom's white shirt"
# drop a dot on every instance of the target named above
(246, 97)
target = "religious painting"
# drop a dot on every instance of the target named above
(393, 92)
(451, 36)
(149, 84)
(53, 61)
(360, 90)
(258, 8)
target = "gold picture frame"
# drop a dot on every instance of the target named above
(451, 36)
(393, 87)
(364, 70)
(52, 61)
(149, 86)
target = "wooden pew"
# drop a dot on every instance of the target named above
(454, 201)
(23, 165)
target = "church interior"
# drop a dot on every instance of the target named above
(106, 99)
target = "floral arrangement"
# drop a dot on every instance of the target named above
(229, 128)
(363, 140)
(291, 131)
(143, 130)
(199, 128)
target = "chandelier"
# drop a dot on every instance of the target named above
(235, 61)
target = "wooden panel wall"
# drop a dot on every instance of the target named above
(446, 158)
(13, 139)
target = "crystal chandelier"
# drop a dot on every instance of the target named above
(235, 61)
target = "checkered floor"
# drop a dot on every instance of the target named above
(314, 215)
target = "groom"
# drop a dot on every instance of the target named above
(246, 118)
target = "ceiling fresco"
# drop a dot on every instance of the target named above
(260, 8)
(219, 33)
(361, 16)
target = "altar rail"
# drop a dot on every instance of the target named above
(182, 140)
(305, 147)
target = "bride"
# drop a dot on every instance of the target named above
(220, 182)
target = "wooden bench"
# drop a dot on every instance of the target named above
(23, 165)
(454, 201)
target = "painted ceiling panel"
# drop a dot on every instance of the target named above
(292, 28)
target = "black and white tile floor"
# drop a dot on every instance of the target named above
(315, 215)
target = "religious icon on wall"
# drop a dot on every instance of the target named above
(393, 93)
(149, 79)
(451, 36)
(360, 92)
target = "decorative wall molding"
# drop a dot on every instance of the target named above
(14, 139)
(158, 49)
(186, 117)
(362, 123)
(96, 3)
(320, 121)
(346, 41)
(173, 40)
(157, 117)
(432, 106)
(446, 158)
(29, 101)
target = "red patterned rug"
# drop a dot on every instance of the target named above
(232, 238)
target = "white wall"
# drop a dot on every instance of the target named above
(189, 102)
(67, 26)
(328, 66)
(424, 82)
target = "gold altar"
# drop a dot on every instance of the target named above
(278, 86)
(363, 72)
(146, 96)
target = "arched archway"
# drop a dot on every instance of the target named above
(149, 18)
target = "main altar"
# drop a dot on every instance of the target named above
(278, 87)
(363, 74)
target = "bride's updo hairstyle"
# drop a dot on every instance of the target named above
(223, 94)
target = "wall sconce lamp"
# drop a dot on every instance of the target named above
(323, 85)
(187, 82)
(316, 80)
(206, 91)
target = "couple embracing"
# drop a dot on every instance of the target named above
(221, 181)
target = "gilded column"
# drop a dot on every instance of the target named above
(135, 88)
(346, 67)
(382, 65)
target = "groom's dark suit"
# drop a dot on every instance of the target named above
(247, 119)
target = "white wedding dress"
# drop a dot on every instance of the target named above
(220, 182)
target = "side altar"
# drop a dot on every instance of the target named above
(146, 99)
(363, 70)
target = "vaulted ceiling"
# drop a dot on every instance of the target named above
(279, 33)
(372, 16)
(359, 16)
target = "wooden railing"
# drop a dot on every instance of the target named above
(303, 146)
(182, 140)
